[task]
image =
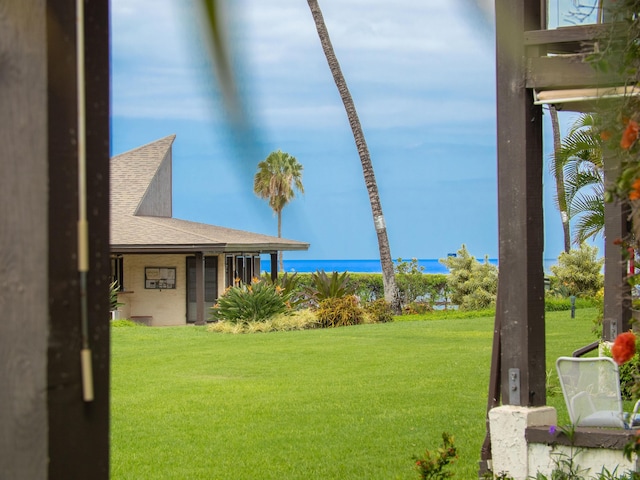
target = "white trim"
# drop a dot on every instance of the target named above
(582, 94)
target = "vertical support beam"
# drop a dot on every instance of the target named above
(274, 266)
(200, 320)
(23, 240)
(617, 292)
(520, 305)
(78, 430)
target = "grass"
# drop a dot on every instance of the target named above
(346, 403)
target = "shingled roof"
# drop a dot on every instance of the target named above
(141, 206)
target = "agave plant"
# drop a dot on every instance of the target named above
(113, 296)
(244, 304)
(324, 286)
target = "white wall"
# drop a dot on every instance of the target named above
(167, 307)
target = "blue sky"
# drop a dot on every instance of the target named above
(422, 75)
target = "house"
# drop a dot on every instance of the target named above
(170, 271)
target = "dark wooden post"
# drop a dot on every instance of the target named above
(47, 430)
(520, 305)
(200, 320)
(24, 298)
(78, 430)
(274, 266)
(617, 292)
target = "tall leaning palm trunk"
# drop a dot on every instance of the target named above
(558, 171)
(388, 277)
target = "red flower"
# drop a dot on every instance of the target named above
(624, 348)
(605, 135)
(635, 190)
(630, 135)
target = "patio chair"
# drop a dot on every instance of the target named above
(591, 389)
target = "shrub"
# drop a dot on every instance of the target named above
(124, 323)
(289, 288)
(114, 288)
(559, 304)
(379, 311)
(415, 286)
(250, 303)
(472, 285)
(367, 286)
(339, 311)
(629, 373)
(433, 463)
(417, 308)
(578, 272)
(303, 319)
(323, 286)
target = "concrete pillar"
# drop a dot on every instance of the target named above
(509, 449)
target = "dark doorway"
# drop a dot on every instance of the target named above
(210, 286)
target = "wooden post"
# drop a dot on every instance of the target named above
(617, 292)
(23, 240)
(78, 430)
(274, 266)
(47, 430)
(520, 305)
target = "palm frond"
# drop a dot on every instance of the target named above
(221, 54)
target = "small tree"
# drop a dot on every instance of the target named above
(578, 271)
(472, 285)
(409, 276)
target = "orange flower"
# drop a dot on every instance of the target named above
(630, 135)
(635, 190)
(605, 135)
(624, 348)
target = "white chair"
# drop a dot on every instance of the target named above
(591, 389)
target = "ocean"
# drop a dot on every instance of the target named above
(431, 265)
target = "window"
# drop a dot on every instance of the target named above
(160, 278)
(241, 268)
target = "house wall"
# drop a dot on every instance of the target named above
(159, 307)
(166, 306)
(157, 200)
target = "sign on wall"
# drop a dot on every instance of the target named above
(160, 277)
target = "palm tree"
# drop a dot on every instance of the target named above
(276, 180)
(556, 167)
(580, 160)
(388, 276)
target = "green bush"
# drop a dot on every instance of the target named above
(124, 323)
(559, 304)
(416, 287)
(417, 308)
(303, 319)
(323, 286)
(379, 311)
(114, 288)
(472, 285)
(367, 286)
(578, 272)
(289, 287)
(339, 311)
(251, 303)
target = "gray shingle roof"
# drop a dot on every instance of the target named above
(141, 211)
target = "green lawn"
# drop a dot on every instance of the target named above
(348, 403)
